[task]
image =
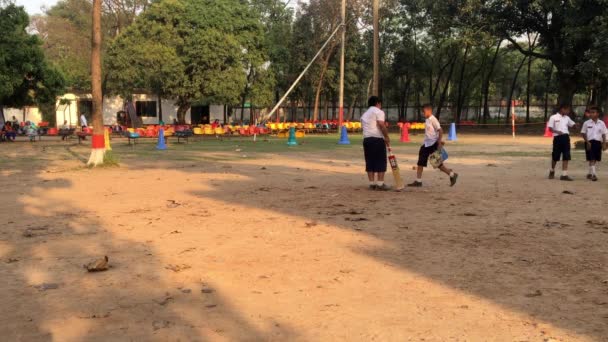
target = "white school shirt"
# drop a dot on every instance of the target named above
(560, 123)
(369, 122)
(431, 131)
(594, 130)
(83, 121)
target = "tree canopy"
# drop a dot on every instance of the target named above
(25, 76)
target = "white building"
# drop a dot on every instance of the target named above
(69, 107)
(24, 114)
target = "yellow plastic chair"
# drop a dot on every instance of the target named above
(208, 131)
(219, 131)
(197, 131)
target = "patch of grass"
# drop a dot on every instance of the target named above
(110, 160)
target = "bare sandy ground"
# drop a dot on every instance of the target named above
(293, 247)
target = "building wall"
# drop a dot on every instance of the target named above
(23, 114)
(113, 104)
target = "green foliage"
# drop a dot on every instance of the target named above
(25, 76)
(191, 50)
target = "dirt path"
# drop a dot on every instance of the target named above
(292, 246)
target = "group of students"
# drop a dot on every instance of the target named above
(594, 134)
(376, 141)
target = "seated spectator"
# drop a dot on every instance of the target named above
(216, 124)
(64, 130)
(8, 132)
(31, 130)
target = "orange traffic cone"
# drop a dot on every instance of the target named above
(405, 134)
(548, 133)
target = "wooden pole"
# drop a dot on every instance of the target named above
(376, 57)
(341, 110)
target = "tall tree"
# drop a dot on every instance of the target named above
(566, 33)
(26, 78)
(198, 51)
(98, 142)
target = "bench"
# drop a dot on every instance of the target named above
(183, 135)
(82, 136)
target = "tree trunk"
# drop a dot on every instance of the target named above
(182, 108)
(567, 87)
(160, 108)
(513, 84)
(486, 84)
(528, 90)
(459, 99)
(547, 93)
(445, 89)
(98, 142)
(315, 113)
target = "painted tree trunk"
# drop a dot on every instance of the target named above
(98, 141)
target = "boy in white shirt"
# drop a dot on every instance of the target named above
(375, 141)
(559, 124)
(594, 132)
(432, 142)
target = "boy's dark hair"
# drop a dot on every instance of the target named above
(565, 106)
(594, 109)
(427, 105)
(373, 101)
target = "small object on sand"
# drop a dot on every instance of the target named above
(11, 260)
(237, 150)
(355, 219)
(47, 286)
(310, 224)
(567, 192)
(470, 214)
(177, 268)
(263, 168)
(98, 265)
(173, 204)
(536, 293)
(207, 290)
(186, 291)
(491, 165)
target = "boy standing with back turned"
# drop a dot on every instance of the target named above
(594, 132)
(559, 124)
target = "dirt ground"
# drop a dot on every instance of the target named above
(231, 241)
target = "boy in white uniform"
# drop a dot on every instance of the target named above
(559, 124)
(432, 142)
(594, 132)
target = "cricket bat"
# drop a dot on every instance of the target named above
(395, 168)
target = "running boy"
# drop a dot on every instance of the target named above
(432, 141)
(558, 125)
(594, 132)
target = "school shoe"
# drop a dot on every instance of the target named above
(594, 178)
(383, 187)
(453, 179)
(551, 174)
(373, 187)
(415, 184)
(589, 176)
(566, 178)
